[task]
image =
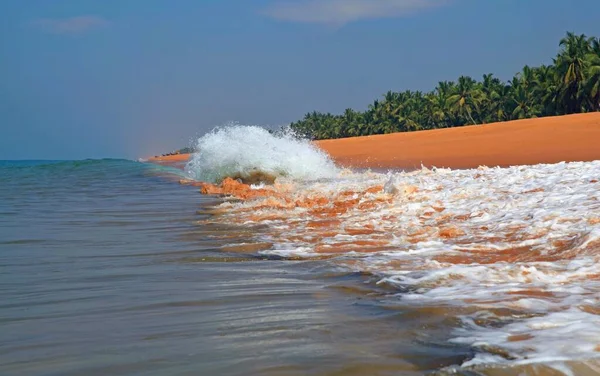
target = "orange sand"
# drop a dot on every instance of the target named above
(177, 158)
(520, 142)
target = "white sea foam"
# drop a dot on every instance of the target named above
(237, 150)
(518, 246)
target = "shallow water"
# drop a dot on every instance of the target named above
(105, 269)
(508, 258)
(111, 267)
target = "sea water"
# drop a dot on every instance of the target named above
(111, 267)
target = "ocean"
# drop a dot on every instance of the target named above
(113, 267)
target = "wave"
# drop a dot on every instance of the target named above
(516, 249)
(251, 152)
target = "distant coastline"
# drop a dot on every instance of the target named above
(528, 120)
(521, 142)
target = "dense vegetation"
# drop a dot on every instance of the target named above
(570, 85)
(185, 150)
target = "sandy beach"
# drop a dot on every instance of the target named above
(502, 256)
(520, 142)
(300, 187)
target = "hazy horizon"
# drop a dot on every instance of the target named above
(84, 79)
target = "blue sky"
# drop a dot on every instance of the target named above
(129, 78)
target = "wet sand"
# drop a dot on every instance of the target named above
(520, 142)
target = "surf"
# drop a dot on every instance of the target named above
(253, 154)
(517, 249)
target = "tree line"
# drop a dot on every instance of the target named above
(571, 84)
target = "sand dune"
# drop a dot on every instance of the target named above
(530, 141)
(520, 142)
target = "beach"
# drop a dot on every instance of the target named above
(300, 188)
(113, 267)
(491, 232)
(520, 142)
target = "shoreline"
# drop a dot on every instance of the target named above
(567, 138)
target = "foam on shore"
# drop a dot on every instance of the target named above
(517, 249)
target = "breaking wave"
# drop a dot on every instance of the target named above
(516, 250)
(248, 152)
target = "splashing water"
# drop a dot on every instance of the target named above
(240, 151)
(517, 249)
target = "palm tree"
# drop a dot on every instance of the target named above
(390, 101)
(443, 91)
(408, 112)
(501, 104)
(466, 98)
(592, 84)
(438, 110)
(547, 89)
(524, 108)
(571, 65)
(375, 112)
(491, 100)
(351, 123)
(570, 85)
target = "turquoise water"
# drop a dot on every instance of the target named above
(105, 268)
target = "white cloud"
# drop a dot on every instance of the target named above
(72, 25)
(340, 12)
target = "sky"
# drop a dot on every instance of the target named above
(132, 78)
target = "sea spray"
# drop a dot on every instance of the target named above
(241, 151)
(512, 255)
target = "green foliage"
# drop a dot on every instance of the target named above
(570, 85)
(186, 150)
